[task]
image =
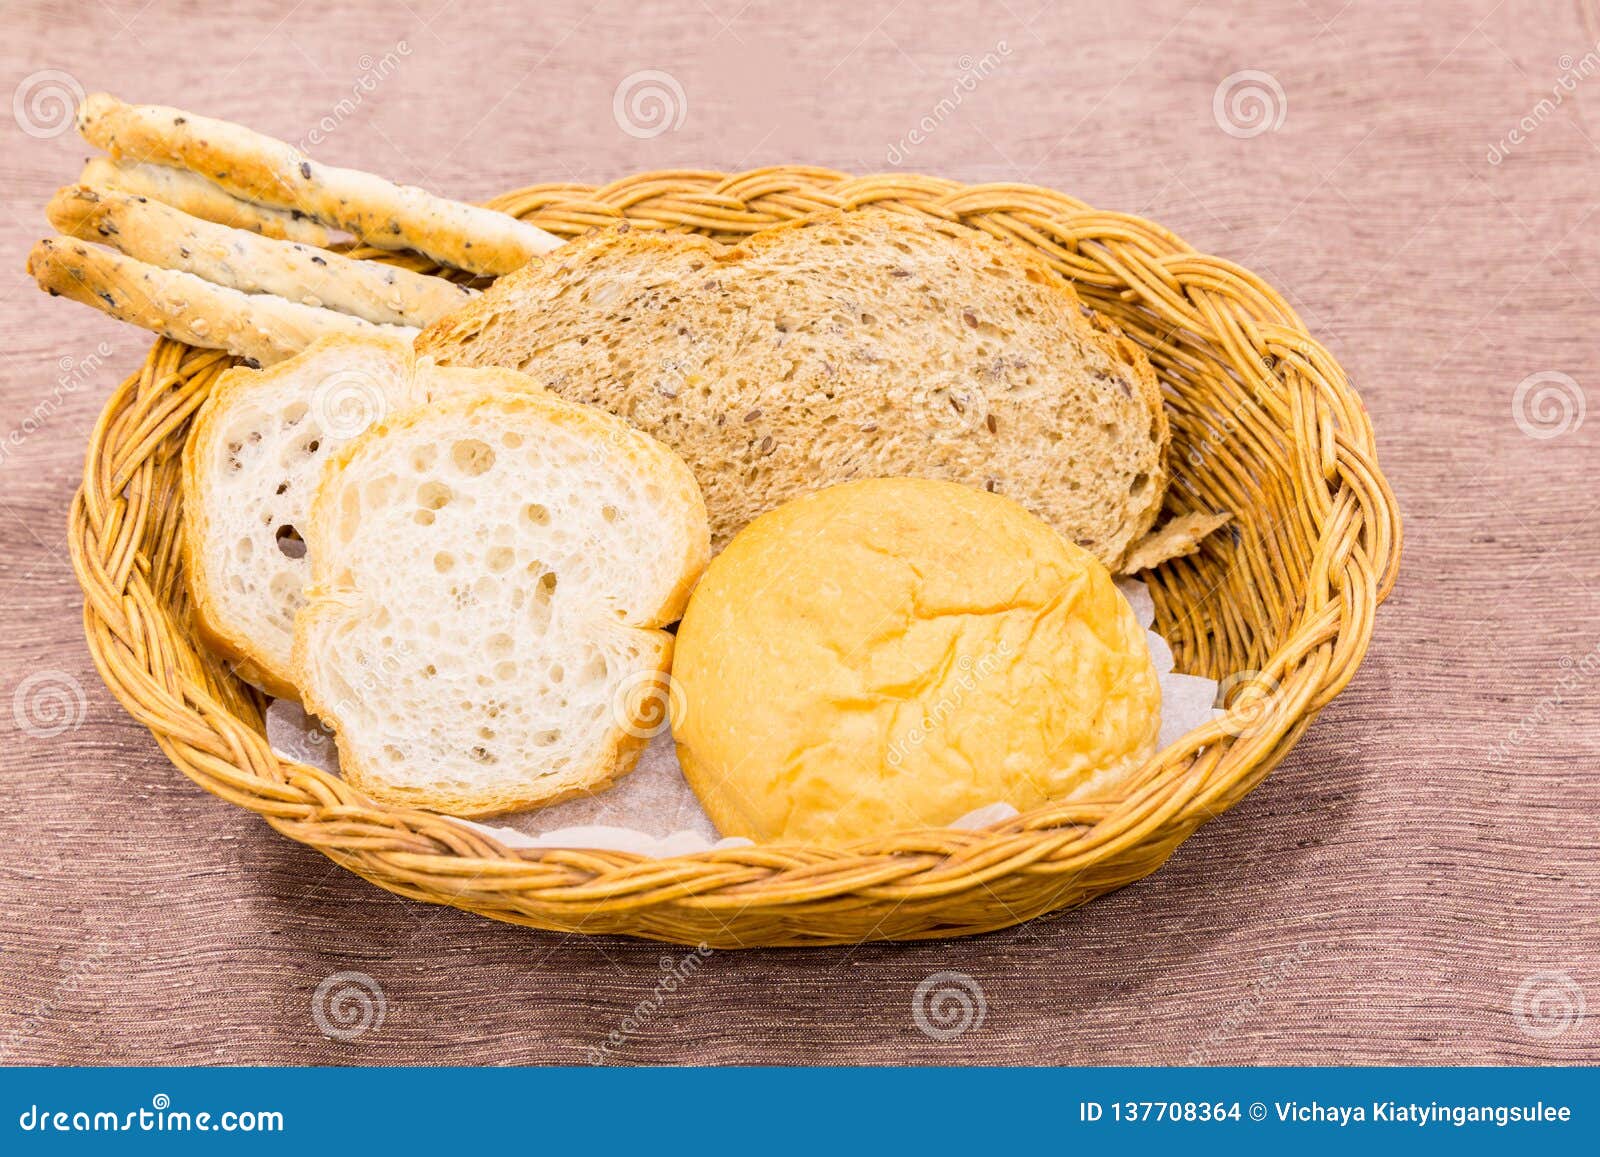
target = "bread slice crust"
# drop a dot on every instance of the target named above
(380, 371)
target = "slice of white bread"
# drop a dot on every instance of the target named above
(846, 346)
(491, 576)
(254, 455)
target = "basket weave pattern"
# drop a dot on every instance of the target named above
(1264, 425)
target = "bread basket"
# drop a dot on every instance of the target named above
(1279, 606)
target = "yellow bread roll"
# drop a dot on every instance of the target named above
(893, 653)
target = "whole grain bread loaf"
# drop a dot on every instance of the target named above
(845, 346)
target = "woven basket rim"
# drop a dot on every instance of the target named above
(774, 893)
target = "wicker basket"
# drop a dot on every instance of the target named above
(1280, 609)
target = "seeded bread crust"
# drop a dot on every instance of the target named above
(843, 346)
(256, 326)
(160, 235)
(198, 197)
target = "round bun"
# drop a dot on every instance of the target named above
(894, 653)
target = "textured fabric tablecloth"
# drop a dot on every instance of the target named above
(1417, 883)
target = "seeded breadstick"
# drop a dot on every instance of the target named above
(270, 172)
(160, 235)
(183, 307)
(198, 197)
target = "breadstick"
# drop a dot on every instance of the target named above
(160, 235)
(257, 327)
(270, 172)
(198, 197)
